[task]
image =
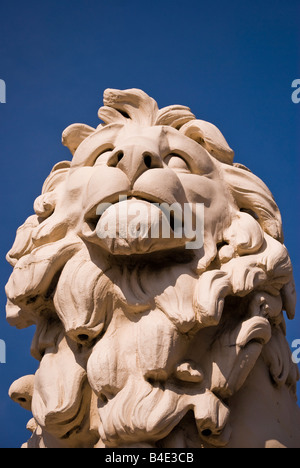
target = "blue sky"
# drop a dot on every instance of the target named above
(231, 62)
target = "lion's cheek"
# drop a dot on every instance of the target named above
(105, 182)
(210, 191)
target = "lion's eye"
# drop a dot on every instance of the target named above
(103, 156)
(177, 163)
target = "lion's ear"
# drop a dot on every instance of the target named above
(74, 134)
(210, 137)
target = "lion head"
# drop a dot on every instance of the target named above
(144, 339)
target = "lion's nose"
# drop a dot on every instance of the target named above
(134, 161)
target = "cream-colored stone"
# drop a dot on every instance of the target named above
(21, 391)
(146, 339)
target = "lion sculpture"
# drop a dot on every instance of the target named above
(141, 341)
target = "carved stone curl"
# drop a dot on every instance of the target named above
(141, 341)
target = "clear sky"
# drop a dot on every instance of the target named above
(232, 62)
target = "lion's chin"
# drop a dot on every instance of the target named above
(135, 227)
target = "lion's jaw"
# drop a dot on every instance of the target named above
(136, 226)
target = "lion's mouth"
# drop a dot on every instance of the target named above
(93, 215)
(135, 223)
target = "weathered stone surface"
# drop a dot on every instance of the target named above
(155, 272)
